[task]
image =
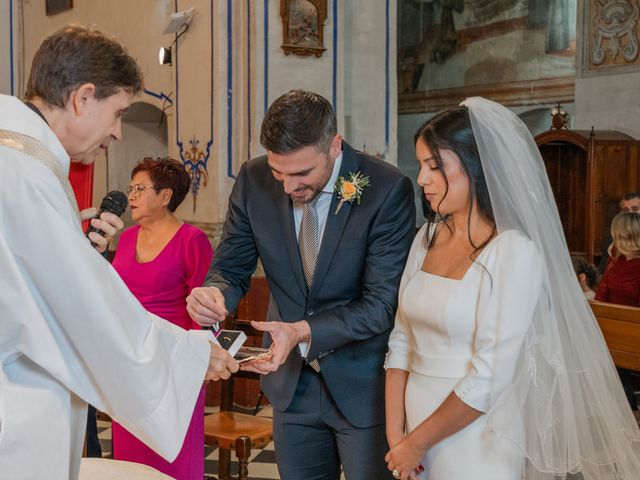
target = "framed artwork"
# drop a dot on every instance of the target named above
(611, 37)
(303, 26)
(57, 6)
(511, 51)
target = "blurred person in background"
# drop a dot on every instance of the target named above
(587, 276)
(161, 259)
(621, 280)
(629, 203)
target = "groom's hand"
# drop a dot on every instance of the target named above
(206, 306)
(285, 337)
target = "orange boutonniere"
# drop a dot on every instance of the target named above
(350, 189)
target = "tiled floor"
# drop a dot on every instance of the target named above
(262, 464)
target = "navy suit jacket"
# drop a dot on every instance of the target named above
(352, 301)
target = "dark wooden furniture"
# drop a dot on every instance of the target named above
(230, 430)
(252, 307)
(620, 327)
(589, 171)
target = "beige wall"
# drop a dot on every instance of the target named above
(606, 102)
(137, 24)
(5, 36)
(610, 102)
(259, 73)
(245, 71)
(371, 119)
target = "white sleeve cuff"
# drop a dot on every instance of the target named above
(475, 392)
(397, 359)
(304, 349)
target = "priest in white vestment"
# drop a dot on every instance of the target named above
(70, 330)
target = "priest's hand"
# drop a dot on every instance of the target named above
(206, 306)
(108, 223)
(221, 364)
(285, 337)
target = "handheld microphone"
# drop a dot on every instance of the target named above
(114, 202)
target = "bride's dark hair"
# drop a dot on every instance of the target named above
(451, 130)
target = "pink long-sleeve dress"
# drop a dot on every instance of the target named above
(162, 285)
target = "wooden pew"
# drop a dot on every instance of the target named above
(620, 326)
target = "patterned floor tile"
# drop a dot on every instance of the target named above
(262, 462)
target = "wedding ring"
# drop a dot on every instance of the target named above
(396, 474)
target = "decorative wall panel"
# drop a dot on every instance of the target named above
(612, 37)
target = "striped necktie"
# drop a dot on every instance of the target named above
(309, 245)
(309, 239)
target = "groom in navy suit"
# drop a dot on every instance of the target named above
(333, 262)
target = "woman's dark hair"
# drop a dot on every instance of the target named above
(75, 55)
(451, 130)
(166, 173)
(298, 119)
(580, 265)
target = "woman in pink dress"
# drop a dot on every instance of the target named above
(161, 259)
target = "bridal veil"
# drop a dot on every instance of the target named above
(565, 410)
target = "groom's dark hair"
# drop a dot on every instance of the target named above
(296, 120)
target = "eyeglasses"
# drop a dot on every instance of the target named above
(138, 189)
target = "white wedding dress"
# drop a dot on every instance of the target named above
(446, 336)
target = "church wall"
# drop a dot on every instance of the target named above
(7, 60)
(370, 79)
(230, 66)
(506, 53)
(227, 68)
(607, 100)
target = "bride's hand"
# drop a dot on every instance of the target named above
(405, 458)
(394, 438)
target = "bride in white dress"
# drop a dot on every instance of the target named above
(496, 367)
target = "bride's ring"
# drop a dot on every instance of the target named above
(396, 474)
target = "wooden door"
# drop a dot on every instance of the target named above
(616, 173)
(566, 166)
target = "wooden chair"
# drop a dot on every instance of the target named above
(620, 327)
(230, 430)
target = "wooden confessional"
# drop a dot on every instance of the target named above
(589, 171)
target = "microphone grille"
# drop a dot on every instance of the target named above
(114, 202)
